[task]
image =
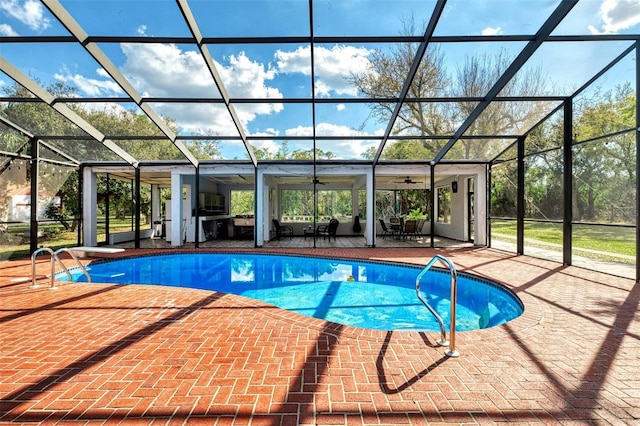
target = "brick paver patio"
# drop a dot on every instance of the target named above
(156, 355)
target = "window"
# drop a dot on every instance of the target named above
(444, 204)
(242, 203)
(385, 204)
(297, 205)
(402, 202)
(335, 204)
(362, 203)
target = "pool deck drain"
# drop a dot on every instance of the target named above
(108, 354)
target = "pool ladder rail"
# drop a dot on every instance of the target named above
(56, 258)
(451, 352)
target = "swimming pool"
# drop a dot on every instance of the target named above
(357, 293)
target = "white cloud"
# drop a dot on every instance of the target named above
(30, 13)
(351, 148)
(617, 15)
(101, 72)
(108, 108)
(244, 78)
(333, 66)
(269, 145)
(6, 30)
(298, 61)
(267, 132)
(91, 86)
(328, 129)
(306, 131)
(492, 31)
(165, 70)
(199, 119)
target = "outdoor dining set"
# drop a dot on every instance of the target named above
(402, 229)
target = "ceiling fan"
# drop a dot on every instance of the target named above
(317, 181)
(408, 180)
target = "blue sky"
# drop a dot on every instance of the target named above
(282, 71)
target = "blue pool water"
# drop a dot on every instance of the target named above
(357, 293)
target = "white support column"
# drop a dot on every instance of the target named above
(262, 206)
(370, 229)
(89, 208)
(176, 209)
(155, 209)
(354, 201)
(480, 194)
(188, 219)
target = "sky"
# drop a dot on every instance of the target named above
(284, 71)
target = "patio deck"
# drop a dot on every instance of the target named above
(157, 355)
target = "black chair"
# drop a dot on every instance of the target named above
(210, 228)
(397, 226)
(282, 229)
(385, 230)
(410, 229)
(328, 230)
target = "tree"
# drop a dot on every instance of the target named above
(112, 121)
(474, 78)
(401, 150)
(605, 157)
(503, 189)
(544, 171)
(14, 175)
(604, 161)
(39, 117)
(479, 72)
(284, 153)
(265, 153)
(384, 79)
(116, 123)
(242, 202)
(63, 183)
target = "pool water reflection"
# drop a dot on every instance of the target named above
(356, 293)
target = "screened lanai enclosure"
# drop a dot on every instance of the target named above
(500, 123)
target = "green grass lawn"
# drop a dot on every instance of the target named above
(606, 239)
(15, 243)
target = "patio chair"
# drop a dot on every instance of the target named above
(282, 229)
(385, 230)
(397, 226)
(410, 229)
(328, 230)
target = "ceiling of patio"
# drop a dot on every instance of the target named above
(231, 80)
(386, 181)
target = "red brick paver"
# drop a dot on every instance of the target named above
(156, 355)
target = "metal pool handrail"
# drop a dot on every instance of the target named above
(75, 258)
(54, 258)
(33, 265)
(452, 320)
